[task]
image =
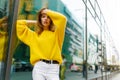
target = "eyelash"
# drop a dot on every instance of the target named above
(45, 16)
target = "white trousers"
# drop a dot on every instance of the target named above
(45, 71)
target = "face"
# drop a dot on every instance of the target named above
(45, 20)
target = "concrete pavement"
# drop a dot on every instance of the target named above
(78, 75)
(70, 76)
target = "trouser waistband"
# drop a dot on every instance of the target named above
(50, 61)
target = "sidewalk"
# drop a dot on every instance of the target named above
(78, 75)
(70, 76)
(115, 76)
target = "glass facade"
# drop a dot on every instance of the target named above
(85, 43)
(3, 36)
(8, 12)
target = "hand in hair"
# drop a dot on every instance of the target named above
(3, 20)
(31, 23)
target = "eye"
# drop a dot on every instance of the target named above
(48, 17)
(44, 15)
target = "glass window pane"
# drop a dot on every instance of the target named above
(3, 36)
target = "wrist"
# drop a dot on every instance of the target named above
(31, 21)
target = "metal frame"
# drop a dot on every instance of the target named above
(13, 9)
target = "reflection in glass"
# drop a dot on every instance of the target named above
(3, 43)
(20, 61)
(3, 36)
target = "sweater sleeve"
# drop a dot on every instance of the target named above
(59, 21)
(23, 32)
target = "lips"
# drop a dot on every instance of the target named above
(45, 22)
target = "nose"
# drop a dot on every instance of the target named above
(46, 18)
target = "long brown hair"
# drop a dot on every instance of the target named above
(39, 28)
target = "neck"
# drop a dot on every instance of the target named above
(46, 28)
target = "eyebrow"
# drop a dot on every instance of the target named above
(43, 14)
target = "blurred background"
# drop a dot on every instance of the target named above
(87, 38)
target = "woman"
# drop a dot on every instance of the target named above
(45, 43)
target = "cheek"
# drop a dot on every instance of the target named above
(50, 21)
(42, 20)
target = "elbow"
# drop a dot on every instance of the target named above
(19, 22)
(65, 19)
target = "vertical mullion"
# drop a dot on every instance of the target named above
(12, 34)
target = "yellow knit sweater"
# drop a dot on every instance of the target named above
(48, 44)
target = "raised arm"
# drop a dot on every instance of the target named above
(59, 21)
(23, 32)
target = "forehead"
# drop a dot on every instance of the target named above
(43, 14)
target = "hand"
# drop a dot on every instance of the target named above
(44, 11)
(31, 23)
(4, 23)
(3, 20)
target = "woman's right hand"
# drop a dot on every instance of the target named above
(31, 23)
